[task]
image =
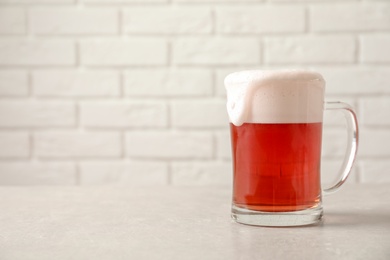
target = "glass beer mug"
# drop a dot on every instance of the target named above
(276, 134)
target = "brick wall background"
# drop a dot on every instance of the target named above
(130, 92)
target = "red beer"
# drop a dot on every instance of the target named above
(276, 167)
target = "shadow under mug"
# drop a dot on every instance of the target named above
(276, 134)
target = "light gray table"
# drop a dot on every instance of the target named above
(182, 223)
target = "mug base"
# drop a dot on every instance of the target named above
(277, 219)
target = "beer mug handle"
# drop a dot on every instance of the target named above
(352, 145)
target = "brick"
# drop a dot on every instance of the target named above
(375, 171)
(24, 113)
(356, 80)
(168, 82)
(374, 143)
(12, 20)
(37, 52)
(72, 144)
(123, 114)
(375, 48)
(123, 1)
(167, 20)
(309, 49)
(198, 114)
(223, 145)
(260, 19)
(74, 83)
(123, 52)
(300, 1)
(37, 173)
(73, 20)
(14, 145)
(169, 145)
(216, 1)
(349, 17)
(36, 1)
(145, 173)
(13, 83)
(216, 51)
(375, 111)
(202, 173)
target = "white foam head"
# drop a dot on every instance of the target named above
(280, 96)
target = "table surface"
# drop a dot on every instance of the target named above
(182, 223)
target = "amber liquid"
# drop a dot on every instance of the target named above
(276, 167)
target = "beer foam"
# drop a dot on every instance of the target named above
(280, 96)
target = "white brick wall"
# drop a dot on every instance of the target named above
(73, 83)
(357, 80)
(310, 49)
(167, 19)
(26, 113)
(71, 144)
(168, 82)
(26, 52)
(119, 114)
(350, 17)
(130, 92)
(118, 52)
(375, 48)
(14, 145)
(199, 114)
(38, 173)
(215, 51)
(13, 83)
(73, 20)
(374, 111)
(168, 145)
(260, 19)
(12, 21)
